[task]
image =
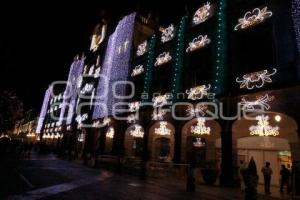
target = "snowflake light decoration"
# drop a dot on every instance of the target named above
(142, 49)
(163, 58)
(202, 14)
(168, 34)
(198, 43)
(158, 114)
(200, 128)
(162, 130)
(134, 106)
(256, 79)
(200, 109)
(262, 101)
(137, 132)
(253, 18)
(198, 92)
(137, 70)
(263, 128)
(160, 101)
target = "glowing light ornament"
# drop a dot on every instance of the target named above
(106, 121)
(168, 33)
(137, 132)
(256, 79)
(134, 106)
(198, 43)
(199, 143)
(110, 133)
(163, 58)
(132, 118)
(160, 101)
(202, 14)
(252, 18)
(260, 101)
(158, 114)
(200, 128)
(91, 71)
(87, 88)
(137, 70)
(200, 109)
(198, 92)
(162, 130)
(98, 36)
(263, 128)
(81, 118)
(142, 49)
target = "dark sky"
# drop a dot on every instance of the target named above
(39, 40)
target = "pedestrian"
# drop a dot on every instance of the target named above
(243, 171)
(267, 172)
(251, 181)
(285, 178)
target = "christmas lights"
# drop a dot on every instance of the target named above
(88, 88)
(200, 128)
(198, 43)
(142, 49)
(160, 101)
(256, 79)
(98, 36)
(167, 34)
(137, 70)
(198, 92)
(158, 114)
(110, 133)
(134, 106)
(260, 101)
(263, 128)
(254, 17)
(202, 14)
(296, 19)
(43, 110)
(162, 130)
(163, 58)
(200, 109)
(137, 132)
(132, 118)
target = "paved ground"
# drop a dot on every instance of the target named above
(48, 178)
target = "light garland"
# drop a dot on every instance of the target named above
(260, 101)
(163, 58)
(200, 128)
(198, 43)
(256, 79)
(110, 133)
(134, 106)
(202, 14)
(168, 34)
(160, 101)
(132, 118)
(137, 70)
(198, 92)
(137, 132)
(263, 128)
(158, 114)
(162, 130)
(142, 49)
(252, 18)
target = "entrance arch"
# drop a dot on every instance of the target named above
(133, 145)
(161, 146)
(280, 149)
(212, 152)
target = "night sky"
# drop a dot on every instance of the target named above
(39, 40)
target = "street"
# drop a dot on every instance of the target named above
(47, 177)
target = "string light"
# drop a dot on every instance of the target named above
(296, 20)
(200, 128)
(262, 101)
(44, 109)
(158, 114)
(202, 14)
(252, 18)
(137, 132)
(163, 58)
(200, 109)
(137, 70)
(198, 92)
(160, 101)
(168, 33)
(256, 79)
(162, 130)
(263, 128)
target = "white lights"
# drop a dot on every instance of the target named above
(262, 101)
(87, 88)
(162, 130)
(158, 114)
(200, 109)
(198, 43)
(160, 101)
(253, 18)
(162, 58)
(110, 132)
(106, 121)
(202, 14)
(137, 70)
(200, 128)
(132, 118)
(134, 106)
(137, 132)
(277, 118)
(81, 118)
(168, 34)
(256, 79)
(198, 92)
(263, 128)
(142, 49)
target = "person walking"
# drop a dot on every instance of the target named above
(285, 178)
(267, 172)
